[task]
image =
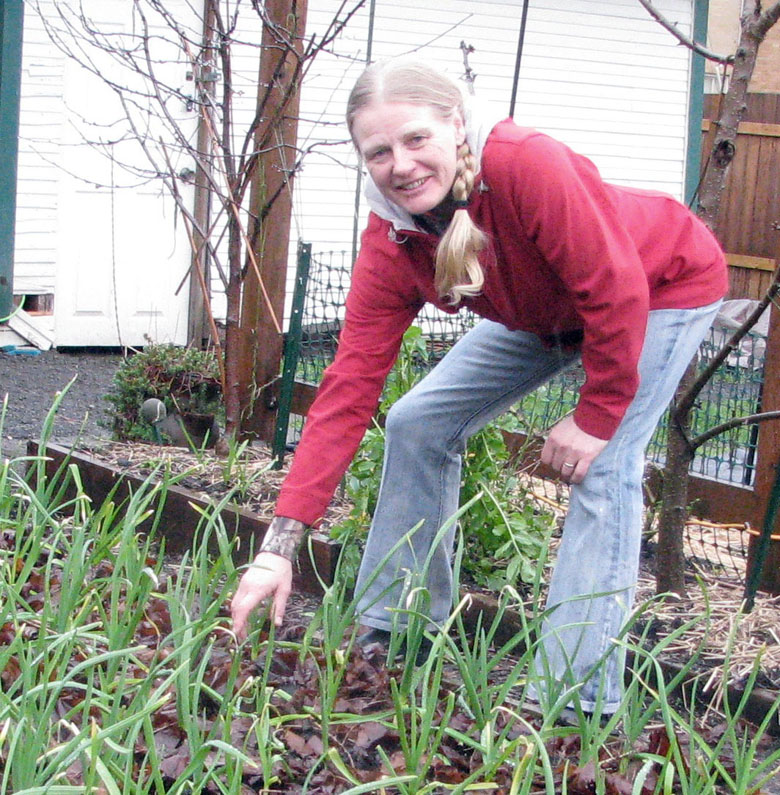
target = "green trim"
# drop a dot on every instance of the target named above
(701, 10)
(11, 27)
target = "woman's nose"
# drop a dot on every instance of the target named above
(403, 163)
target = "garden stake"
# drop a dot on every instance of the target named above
(762, 546)
(292, 349)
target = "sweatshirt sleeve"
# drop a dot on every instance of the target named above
(570, 215)
(380, 307)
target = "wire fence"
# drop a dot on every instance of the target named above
(734, 391)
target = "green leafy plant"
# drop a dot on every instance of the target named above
(119, 673)
(505, 532)
(185, 379)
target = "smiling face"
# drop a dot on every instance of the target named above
(410, 152)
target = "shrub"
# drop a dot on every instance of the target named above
(185, 379)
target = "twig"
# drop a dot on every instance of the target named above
(682, 38)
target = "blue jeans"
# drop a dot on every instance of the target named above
(487, 371)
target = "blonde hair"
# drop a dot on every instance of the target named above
(458, 272)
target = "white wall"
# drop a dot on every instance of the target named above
(95, 224)
(41, 118)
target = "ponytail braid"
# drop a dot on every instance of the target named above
(458, 272)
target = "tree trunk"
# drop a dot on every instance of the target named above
(670, 557)
(271, 212)
(754, 29)
(670, 574)
(233, 332)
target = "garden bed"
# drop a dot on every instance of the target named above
(119, 672)
(725, 645)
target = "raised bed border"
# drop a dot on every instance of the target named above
(181, 516)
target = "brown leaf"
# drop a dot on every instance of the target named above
(173, 765)
(582, 780)
(615, 784)
(370, 733)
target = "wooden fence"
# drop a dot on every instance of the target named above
(748, 228)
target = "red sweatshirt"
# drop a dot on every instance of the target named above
(567, 253)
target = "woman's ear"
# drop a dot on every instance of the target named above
(460, 129)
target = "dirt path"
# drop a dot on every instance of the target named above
(31, 384)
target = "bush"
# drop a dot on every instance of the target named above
(185, 379)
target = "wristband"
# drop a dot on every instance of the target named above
(283, 537)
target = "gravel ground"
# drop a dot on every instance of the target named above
(31, 383)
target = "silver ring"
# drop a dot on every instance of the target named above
(571, 466)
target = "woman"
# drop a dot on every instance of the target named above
(562, 266)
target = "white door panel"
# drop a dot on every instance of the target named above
(122, 250)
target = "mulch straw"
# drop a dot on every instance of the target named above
(727, 641)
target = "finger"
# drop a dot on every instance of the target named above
(547, 452)
(240, 614)
(244, 602)
(567, 471)
(239, 626)
(583, 465)
(280, 604)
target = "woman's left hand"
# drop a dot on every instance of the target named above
(571, 451)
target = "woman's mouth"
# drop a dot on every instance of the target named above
(410, 186)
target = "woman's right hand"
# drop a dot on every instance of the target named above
(268, 576)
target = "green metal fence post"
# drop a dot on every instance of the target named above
(11, 24)
(292, 348)
(696, 103)
(762, 547)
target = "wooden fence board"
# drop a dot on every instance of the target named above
(756, 263)
(763, 108)
(749, 128)
(748, 283)
(748, 218)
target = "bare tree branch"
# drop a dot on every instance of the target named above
(686, 402)
(737, 422)
(682, 38)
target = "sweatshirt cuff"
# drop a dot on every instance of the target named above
(596, 421)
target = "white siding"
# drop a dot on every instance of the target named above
(40, 122)
(93, 226)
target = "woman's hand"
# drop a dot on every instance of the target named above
(571, 451)
(269, 575)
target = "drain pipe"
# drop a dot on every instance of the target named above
(11, 27)
(695, 104)
(518, 57)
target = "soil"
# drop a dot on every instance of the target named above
(31, 384)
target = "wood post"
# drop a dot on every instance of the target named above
(197, 322)
(261, 340)
(768, 453)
